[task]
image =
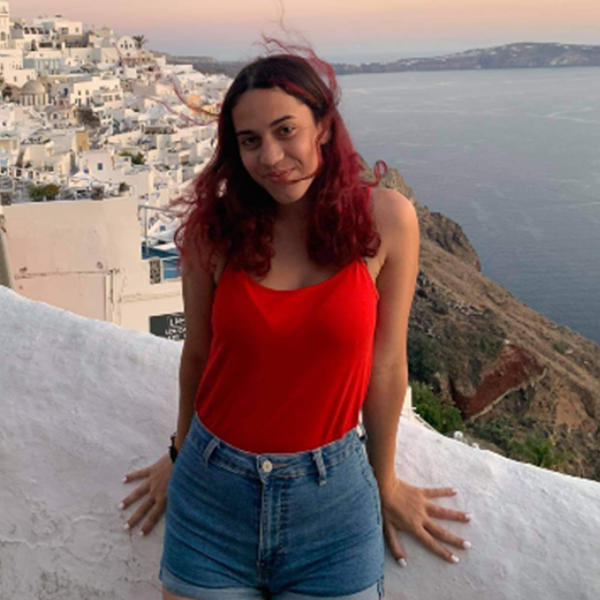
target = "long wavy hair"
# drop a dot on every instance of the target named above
(229, 214)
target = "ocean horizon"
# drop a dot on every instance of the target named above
(511, 155)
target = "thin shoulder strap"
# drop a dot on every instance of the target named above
(369, 188)
(222, 270)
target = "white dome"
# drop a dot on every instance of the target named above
(34, 87)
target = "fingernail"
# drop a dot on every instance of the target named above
(402, 562)
(469, 516)
(126, 526)
(466, 545)
(454, 559)
(121, 505)
(454, 491)
(141, 533)
(124, 480)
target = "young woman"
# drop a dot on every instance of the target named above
(297, 283)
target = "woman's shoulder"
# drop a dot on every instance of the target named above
(198, 257)
(394, 214)
(389, 203)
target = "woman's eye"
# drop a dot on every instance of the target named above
(248, 142)
(286, 130)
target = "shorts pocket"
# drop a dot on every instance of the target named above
(369, 476)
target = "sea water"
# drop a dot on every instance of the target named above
(513, 156)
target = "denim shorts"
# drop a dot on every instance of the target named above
(242, 526)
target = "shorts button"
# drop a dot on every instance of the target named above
(267, 466)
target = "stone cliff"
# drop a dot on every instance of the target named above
(508, 56)
(520, 55)
(513, 374)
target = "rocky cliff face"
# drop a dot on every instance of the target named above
(514, 374)
(509, 56)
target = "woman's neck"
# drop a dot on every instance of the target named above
(293, 216)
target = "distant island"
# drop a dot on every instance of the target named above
(522, 55)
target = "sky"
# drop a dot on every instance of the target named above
(351, 30)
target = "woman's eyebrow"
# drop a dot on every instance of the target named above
(275, 122)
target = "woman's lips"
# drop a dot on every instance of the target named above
(279, 176)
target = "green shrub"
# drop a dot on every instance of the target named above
(440, 415)
(39, 192)
(423, 362)
(499, 431)
(538, 451)
(560, 346)
(136, 159)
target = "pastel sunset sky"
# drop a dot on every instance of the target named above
(339, 29)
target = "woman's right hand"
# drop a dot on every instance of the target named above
(152, 494)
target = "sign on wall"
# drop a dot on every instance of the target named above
(170, 325)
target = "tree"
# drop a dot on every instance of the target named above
(38, 192)
(139, 40)
(87, 117)
(97, 193)
(136, 159)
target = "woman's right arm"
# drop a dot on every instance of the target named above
(151, 494)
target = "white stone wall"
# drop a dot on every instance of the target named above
(37, 154)
(19, 76)
(84, 402)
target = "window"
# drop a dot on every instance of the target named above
(99, 166)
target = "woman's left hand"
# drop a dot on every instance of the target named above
(408, 508)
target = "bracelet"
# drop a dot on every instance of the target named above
(172, 449)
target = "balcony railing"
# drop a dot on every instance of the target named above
(163, 264)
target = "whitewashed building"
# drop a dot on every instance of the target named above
(45, 62)
(86, 256)
(60, 25)
(4, 24)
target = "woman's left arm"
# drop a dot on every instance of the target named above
(404, 507)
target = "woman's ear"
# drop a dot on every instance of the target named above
(325, 131)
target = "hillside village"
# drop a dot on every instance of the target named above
(89, 114)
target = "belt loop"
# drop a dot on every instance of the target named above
(318, 458)
(214, 442)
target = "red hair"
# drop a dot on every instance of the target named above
(231, 215)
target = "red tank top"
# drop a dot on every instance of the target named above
(288, 370)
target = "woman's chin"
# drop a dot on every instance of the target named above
(289, 194)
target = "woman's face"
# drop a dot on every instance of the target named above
(278, 138)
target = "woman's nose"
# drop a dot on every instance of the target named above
(271, 152)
